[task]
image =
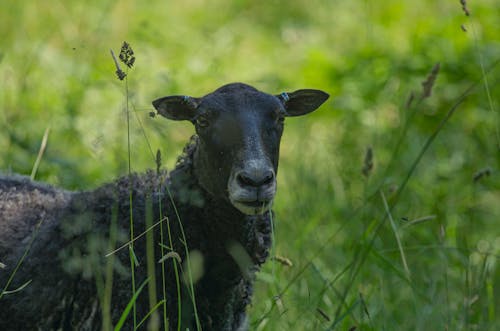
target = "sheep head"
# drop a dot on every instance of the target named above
(239, 130)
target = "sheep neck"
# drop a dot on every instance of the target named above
(185, 181)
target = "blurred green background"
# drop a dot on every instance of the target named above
(331, 222)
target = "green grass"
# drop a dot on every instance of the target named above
(339, 228)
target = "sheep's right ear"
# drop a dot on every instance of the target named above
(177, 107)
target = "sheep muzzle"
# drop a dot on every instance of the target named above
(252, 187)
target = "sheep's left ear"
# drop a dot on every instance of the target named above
(177, 107)
(302, 102)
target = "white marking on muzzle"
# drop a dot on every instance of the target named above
(246, 199)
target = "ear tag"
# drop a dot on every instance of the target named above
(191, 102)
(285, 96)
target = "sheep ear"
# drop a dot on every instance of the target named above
(177, 107)
(302, 102)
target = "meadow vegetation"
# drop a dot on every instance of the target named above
(388, 207)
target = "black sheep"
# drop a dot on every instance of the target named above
(213, 209)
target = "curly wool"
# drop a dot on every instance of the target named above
(69, 233)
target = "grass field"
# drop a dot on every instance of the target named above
(407, 239)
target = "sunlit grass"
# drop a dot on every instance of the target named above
(433, 298)
(347, 264)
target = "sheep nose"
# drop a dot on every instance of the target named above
(255, 178)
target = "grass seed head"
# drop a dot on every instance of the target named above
(119, 72)
(171, 255)
(323, 314)
(429, 82)
(368, 163)
(481, 174)
(464, 7)
(410, 99)
(158, 161)
(127, 55)
(282, 260)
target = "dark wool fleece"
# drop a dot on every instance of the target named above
(69, 233)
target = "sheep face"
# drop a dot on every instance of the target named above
(239, 130)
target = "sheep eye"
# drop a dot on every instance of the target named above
(279, 120)
(278, 117)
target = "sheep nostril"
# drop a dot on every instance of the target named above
(268, 178)
(246, 179)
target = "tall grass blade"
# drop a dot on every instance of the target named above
(151, 265)
(129, 307)
(41, 151)
(151, 311)
(396, 234)
(177, 277)
(20, 288)
(163, 276)
(18, 265)
(344, 315)
(486, 84)
(128, 243)
(190, 276)
(108, 286)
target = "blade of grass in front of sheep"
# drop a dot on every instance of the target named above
(151, 311)
(162, 264)
(127, 57)
(131, 216)
(108, 285)
(100, 285)
(20, 288)
(162, 251)
(157, 159)
(146, 232)
(18, 265)
(129, 307)
(134, 258)
(150, 263)
(177, 277)
(190, 276)
(273, 253)
(128, 243)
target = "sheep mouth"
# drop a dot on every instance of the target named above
(252, 207)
